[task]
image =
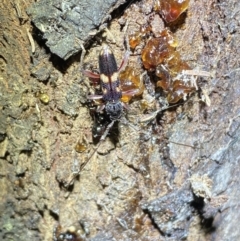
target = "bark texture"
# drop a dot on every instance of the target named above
(142, 185)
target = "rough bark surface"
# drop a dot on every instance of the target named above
(145, 185)
(68, 25)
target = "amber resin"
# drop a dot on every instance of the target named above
(171, 9)
(81, 146)
(136, 38)
(158, 50)
(160, 55)
(130, 83)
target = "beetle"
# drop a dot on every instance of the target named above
(110, 83)
(111, 89)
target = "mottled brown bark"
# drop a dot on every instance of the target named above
(124, 191)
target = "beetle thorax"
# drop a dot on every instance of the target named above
(114, 109)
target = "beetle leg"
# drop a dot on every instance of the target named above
(125, 105)
(124, 61)
(94, 97)
(100, 108)
(130, 92)
(91, 74)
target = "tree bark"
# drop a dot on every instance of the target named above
(173, 178)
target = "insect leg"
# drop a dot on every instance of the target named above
(94, 97)
(91, 74)
(124, 61)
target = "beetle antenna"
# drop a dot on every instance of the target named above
(103, 137)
